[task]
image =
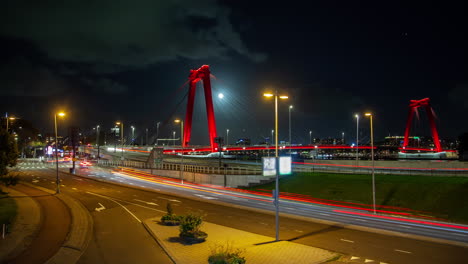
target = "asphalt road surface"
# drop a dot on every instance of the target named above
(120, 237)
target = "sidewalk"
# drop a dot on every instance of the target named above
(258, 248)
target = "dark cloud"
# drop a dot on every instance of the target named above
(112, 34)
(458, 95)
(105, 85)
(21, 77)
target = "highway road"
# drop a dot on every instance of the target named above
(120, 237)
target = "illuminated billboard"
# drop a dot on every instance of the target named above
(285, 165)
(269, 166)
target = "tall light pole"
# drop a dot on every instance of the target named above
(272, 136)
(342, 138)
(357, 138)
(276, 158)
(290, 140)
(182, 147)
(7, 121)
(173, 137)
(157, 132)
(310, 137)
(133, 135)
(121, 137)
(227, 137)
(97, 141)
(372, 156)
(146, 137)
(57, 181)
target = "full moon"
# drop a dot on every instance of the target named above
(220, 96)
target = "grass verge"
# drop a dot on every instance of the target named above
(7, 209)
(442, 197)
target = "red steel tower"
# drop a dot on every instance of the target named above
(413, 107)
(203, 73)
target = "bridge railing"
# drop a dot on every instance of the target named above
(231, 170)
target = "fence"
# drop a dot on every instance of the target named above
(185, 167)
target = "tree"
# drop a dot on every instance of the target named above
(8, 152)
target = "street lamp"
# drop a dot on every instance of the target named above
(272, 132)
(290, 141)
(173, 137)
(357, 138)
(97, 141)
(342, 138)
(121, 137)
(61, 114)
(133, 135)
(372, 154)
(182, 147)
(7, 122)
(310, 137)
(276, 157)
(227, 137)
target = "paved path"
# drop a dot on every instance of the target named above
(257, 248)
(54, 227)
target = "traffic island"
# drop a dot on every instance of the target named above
(256, 248)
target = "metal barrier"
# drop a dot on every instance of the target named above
(185, 167)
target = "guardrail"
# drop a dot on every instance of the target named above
(238, 170)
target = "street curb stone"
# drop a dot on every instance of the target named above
(80, 233)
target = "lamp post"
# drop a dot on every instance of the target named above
(272, 136)
(182, 147)
(173, 137)
(57, 181)
(372, 156)
(290, 141)
(121, 137)
(133, 135)
(310, 137)
(157, 132)
(146, 137)
(97, 141)
(227, 137)
(7, 122)
(342, 138)
(357, 138)
(276, 158)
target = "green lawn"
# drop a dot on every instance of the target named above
(7, 209)
(443, 197)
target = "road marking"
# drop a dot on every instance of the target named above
(353, 258)
(263, 223)
(150, 203)
(346, 240)
(116, 203)
(362, 220)
(100, 208)
(323, 214)
(74, 189)
(171, 200)
(405, 226)
(403, 251)
(206, 197)
(299, 231)
(34, 181)
(368, 260)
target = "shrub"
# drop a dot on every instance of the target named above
(170, 218)
(226, 254)
(190, 228)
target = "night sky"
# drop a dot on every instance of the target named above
(103, 61)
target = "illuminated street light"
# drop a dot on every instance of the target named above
(276, 157)
(290, 140)
(220, 95)
(182, 147)
(372, 154)
(121, 137)
(357, 138)
(310, 137)
(57, 180)
(7, 120)
(227, 137)
(133, 135)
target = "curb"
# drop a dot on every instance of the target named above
(157, 239)
(80, 232)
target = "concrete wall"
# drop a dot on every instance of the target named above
(233, 181)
